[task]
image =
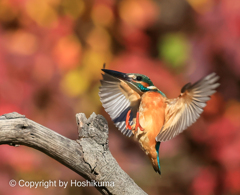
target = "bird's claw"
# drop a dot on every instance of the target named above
(137, 123)
(128, 126)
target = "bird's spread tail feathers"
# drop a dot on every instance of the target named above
(155, 161)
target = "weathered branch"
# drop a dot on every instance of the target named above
(89, 156)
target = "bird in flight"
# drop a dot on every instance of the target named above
(137, 107)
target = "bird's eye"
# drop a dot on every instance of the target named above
(139, 78)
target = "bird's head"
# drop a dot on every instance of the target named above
(138, 82)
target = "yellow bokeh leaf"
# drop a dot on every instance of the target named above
(93, 61)
(99, 39)
(73, 8)
(41, 12)
(7, 13)
(201, 6)
(75, 83)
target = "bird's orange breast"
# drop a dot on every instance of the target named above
(151, 118)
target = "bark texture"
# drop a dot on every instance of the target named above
(89, 155)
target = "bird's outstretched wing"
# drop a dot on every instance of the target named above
(184, 110)
(117, 99)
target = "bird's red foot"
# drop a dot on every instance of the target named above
(128, 126)
(137, 123)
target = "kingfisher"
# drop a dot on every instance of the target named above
(138, 108)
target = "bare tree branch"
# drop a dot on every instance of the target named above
(89, 156)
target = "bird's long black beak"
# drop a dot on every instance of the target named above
(119, 75)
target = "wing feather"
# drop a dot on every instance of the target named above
(183, 111)
(117, 99)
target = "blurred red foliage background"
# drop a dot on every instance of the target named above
(51, 55)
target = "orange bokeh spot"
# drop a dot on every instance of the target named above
(67, 52)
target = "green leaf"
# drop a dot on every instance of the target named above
(174, 49)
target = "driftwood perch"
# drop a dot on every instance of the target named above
(89, 155)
